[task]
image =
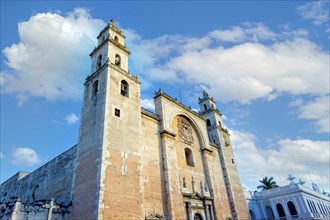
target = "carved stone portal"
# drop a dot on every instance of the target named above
(185, 131)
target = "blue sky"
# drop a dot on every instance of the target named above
(265, 63)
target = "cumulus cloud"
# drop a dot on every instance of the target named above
(317, 11)
(71, 118)
(50, 59)
(258, 64)
(317, 110)
(303, 158)
(25, 156)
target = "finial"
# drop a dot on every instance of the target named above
(112, 22)
(205, 94)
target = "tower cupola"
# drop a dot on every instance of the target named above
(110, 48)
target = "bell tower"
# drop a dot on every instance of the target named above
(221, 138)
(109, 135)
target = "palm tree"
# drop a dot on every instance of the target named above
(267, 183)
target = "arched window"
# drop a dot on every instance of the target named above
(116, 38)
(95, 89)
(280, 210)
(269, 212)
(99, 61)
(35, 192)
(205, 107)
(292, 209)
(252, 215)
(189, 157)
(124, 88)
(117, 60)
(208, 122)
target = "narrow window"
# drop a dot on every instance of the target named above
(189, 157)
(99, 61)
(208, 122)
(232, 161)
(95, 88)
(292, 210)
(124, 88)
(205, 107)
(184, 183)
(117, 60)
(280, 210)
(117, 112)
(116, 38)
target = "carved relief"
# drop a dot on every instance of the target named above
(185, 131)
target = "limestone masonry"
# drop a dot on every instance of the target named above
(131, 163)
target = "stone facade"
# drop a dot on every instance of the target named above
(131, 163)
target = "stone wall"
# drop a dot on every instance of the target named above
(52, 180)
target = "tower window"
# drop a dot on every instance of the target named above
(208, 122)
(116, 38)
(189, 157)
(99, 61)
(117, 60)
(117, 112)
(124, 88)
(232, 161)
(95, 88)
(205, 107)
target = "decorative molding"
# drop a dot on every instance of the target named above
(168, 133)
(185, 131)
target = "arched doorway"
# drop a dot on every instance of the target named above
(198, 217)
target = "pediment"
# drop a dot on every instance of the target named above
(196, 195)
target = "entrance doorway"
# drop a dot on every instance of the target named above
(198, 217)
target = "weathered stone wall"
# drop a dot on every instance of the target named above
(87, 173)
(52, 180)
(152, 166)
(233, 177)
(121, 173)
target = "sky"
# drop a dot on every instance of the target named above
(266, 63)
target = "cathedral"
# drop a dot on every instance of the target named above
(129, 162)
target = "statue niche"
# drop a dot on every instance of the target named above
(185, 131)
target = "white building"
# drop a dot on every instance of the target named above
(294, 201)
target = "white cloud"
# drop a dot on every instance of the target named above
(250, 69)
(249, 32)
(71, 118)
(317, 11)
(25, 156)
(148, 104)
(317, 110)
(50, 60)
(302, 158)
